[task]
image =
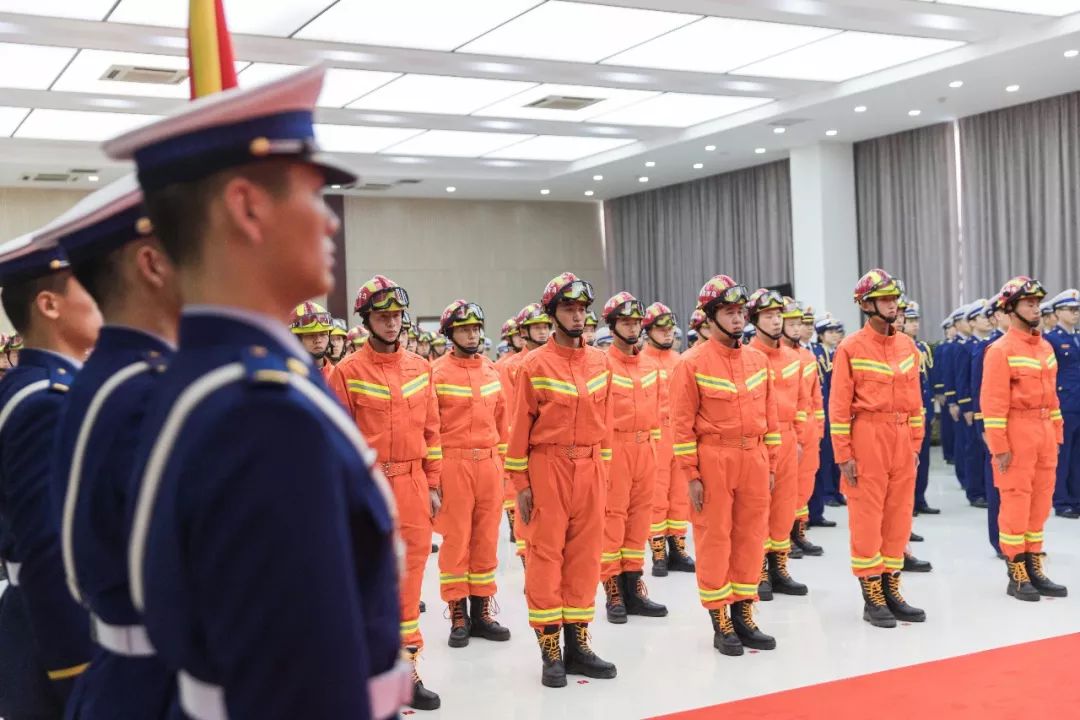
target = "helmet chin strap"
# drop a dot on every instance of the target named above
(1033, 324)
(737, 337)
(792, 340)
(396, 342)
(662, 346)
(774, 338)
(626, 340)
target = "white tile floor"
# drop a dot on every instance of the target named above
(669, 664)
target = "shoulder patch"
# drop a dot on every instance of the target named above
(158, 363)
(60, 380)
(263, 367)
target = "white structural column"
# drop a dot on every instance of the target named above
(825, 236)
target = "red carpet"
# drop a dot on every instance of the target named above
(1042, 682)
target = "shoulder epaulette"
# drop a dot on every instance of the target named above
(264, 367)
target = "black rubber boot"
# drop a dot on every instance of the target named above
(510, 513)
(1043, 584)
(482, 623)
(795, 552)
(896, 603)
(678, 559)
(459, 624)
(724, 638)
(616, 606)
(422, 698)
(915, 538)
(764, 588)
(927, 510)
(875, 608)
(914, 564)
(553, 674)
(658, 545)
(580, 658)
(742, 619)
(780, 578)
(636, 596)
(434, 548)
(423, 606)
(801, 541)
(1020, 586)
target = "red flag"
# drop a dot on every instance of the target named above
(210, 53)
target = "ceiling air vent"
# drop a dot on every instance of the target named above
(374, 187)
(409, 181)
(50, 177)
(145, 75)
(563, 102)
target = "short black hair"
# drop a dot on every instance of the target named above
(18, 297)
(100, 275)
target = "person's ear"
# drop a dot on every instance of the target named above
(48, 304)
(248, 209)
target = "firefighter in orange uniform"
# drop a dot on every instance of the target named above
(388, 391)
(1024, 426)
(770, 313)
(671, 504)
(638, 395)
(512, 338)
(472, 417)
(312, 324)
(876, 423)
(813, 431)
(560, 443)
(723, 412)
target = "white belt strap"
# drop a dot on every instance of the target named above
(13, 573)
(388, 692)
(126, 640)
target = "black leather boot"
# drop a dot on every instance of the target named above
(742, 619)
(580, 658)
(482, 623)
(875, 608)
(422, 698)
(658, 545)
(764, 588)
(510, 514)
(801, 541)
(423, 606)
(780, 578)
(1020, 586)
(459, 624)
(914, 564)
(616, 606)
(678, 559)
(896, 603)
(636, 596)
(724, 638)
(795, 552)
(553, 674)
(1037, 573)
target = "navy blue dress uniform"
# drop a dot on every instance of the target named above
(95, 446)
(827, 480)
(993, 497)
(263, 548)
(974, 448)
(1066, 345)
(953, 361)
(926, 371)
(32, 396)
(937, 378)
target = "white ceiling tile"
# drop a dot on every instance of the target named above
(340, 87)
(31, 67)
(77, 9)
(79, 125)
(680, 110)
(249, 17)
(1059, 8)
(360, 138)
(576, 32)
(847, 55)
(439, 94)
(10, 117)
(610, 99)
(559, 148)
(425, 24)
(717, 45)
(455, 143)
(84, 74)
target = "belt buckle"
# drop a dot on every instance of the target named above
(570, 449)
(475, 453)
(743, 444)
(899, 419)
(385, 468)
(640, 436)
(1044, 413)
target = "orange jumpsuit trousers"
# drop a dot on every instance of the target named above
(671, 502)
(876, 418)
(393, 403)
(814, 431)
(723, 412)
(560, 445)
(508, 370)
(1022, 415)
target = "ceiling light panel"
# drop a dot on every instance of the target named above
(455, 143)
(718, 45)
(559, 148)
(439, 94)
(250, 17)
(1059, 8)
(80, 10)
(10, 117)
(31, 67)
(84, 74)
(425, 24)
(360, 138)
(610, 99)
(847, 55)
(576, 32)
(79, 125)
(680, 110)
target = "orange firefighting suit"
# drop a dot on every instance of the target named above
(814, 430)
(391, 398)
(876, 418)
(560, 446)
(636, 391)
(785, 370)
(1022, 416)
(671, 503)
(508, 369)
(472, 425)
(723, 412)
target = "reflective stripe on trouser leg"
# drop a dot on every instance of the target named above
(1026, 488)
(662, 485)
(487, 516)
(454, 523)
(874, 505)
(782, 504)
(808, 467)
(1042, 490)
(414, 518)
(638, 511)
(616, 508)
